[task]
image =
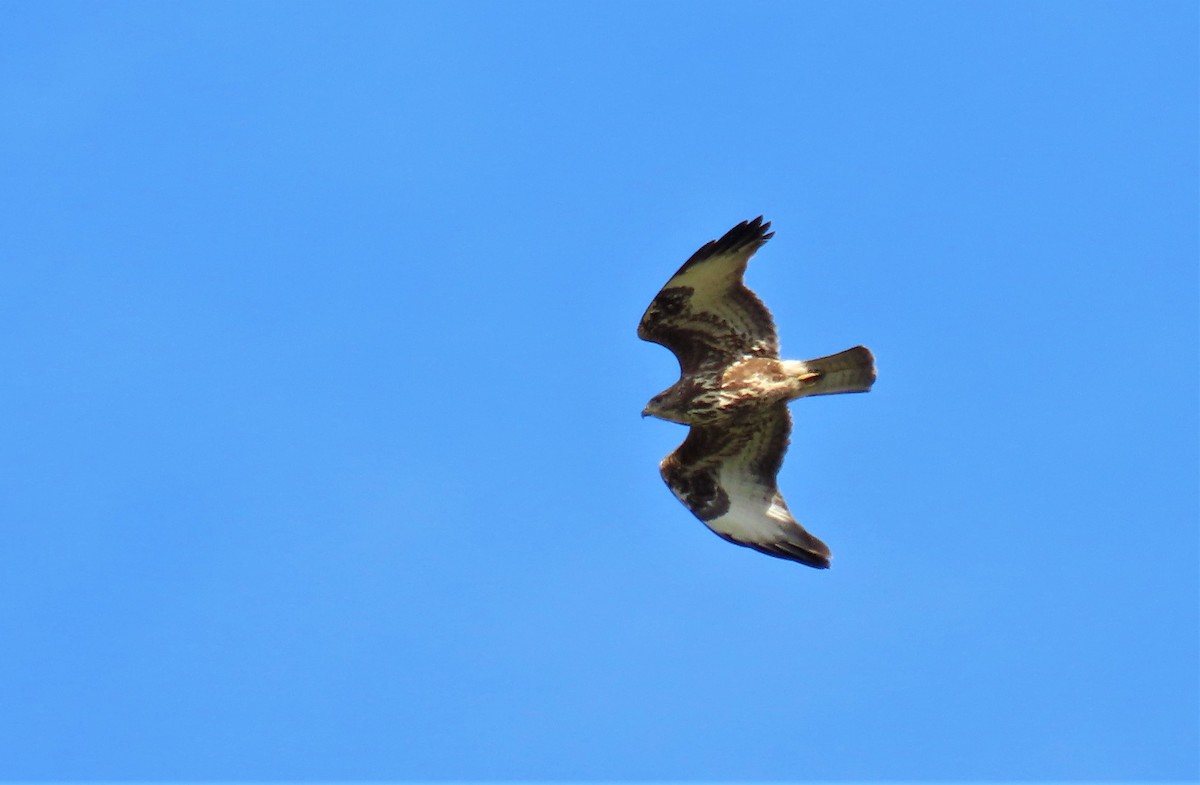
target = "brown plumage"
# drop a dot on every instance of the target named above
(733, 391)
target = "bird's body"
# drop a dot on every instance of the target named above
(733, 391)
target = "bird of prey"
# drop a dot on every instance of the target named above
(733, 392)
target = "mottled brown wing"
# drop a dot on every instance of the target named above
(725, 474)
(705, 314)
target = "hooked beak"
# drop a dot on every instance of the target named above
(645, 412)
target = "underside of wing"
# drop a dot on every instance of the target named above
(725, 474)
(705, 314)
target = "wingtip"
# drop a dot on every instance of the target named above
(814, 559)
(817, 555)
(759, 225)
(804, 548)
(747, 234)
(818, 561)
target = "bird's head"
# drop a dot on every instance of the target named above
(667, 405)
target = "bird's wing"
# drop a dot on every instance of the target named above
(725, 474)
(705, 314)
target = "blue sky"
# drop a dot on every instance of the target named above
(321, 455)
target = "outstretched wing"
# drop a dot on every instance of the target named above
(705, 314)
(725, 474)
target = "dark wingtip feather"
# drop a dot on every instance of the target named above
(820, 562)
(815, 555)
(747, 233)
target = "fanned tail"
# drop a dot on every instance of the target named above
(851, 371)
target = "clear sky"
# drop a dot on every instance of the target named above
(320, 451)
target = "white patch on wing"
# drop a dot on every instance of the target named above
(778, 511)
(709, 279)
(754, 513)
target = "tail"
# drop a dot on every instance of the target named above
(850, 371)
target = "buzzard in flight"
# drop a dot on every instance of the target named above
(733, 391)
